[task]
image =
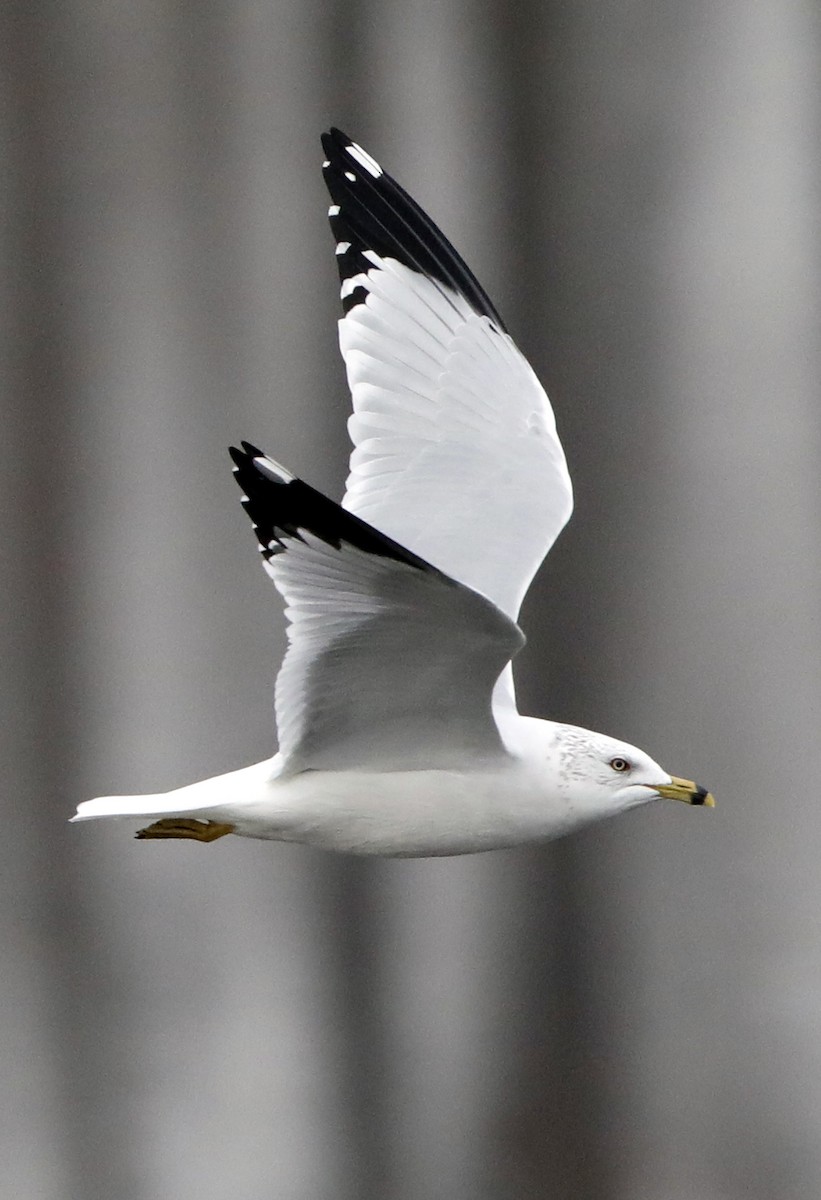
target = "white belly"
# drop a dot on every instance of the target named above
(406, 813)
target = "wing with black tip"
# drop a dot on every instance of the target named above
(390, 663)
(456, 453)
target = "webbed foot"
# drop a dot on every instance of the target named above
(186, 827)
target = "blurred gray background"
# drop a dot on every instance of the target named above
(631, 1014)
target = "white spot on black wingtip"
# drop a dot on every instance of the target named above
(272, 470)
(334, 210)
(342, 247)
(265, 465)
(326, 164)
(364, 159)
(350, 176)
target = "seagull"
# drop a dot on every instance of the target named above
(396, 714)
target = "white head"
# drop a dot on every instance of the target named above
(599, 775)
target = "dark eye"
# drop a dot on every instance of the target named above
(620, 764)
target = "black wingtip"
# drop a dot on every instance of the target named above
(374, 213)
(280, 506)
(335, 139)
(248, 451)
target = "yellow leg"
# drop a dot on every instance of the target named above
(186, 827)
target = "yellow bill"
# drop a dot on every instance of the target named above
(686, 790)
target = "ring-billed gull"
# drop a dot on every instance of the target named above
(395, 710)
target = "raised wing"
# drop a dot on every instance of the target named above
(456, 453)
(390, 663)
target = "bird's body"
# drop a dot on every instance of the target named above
(527, 793)
(395, 707)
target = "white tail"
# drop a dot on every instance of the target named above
(249, 783)
(128, 806)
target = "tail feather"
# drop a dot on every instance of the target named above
(133, 806)
(249, 783)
